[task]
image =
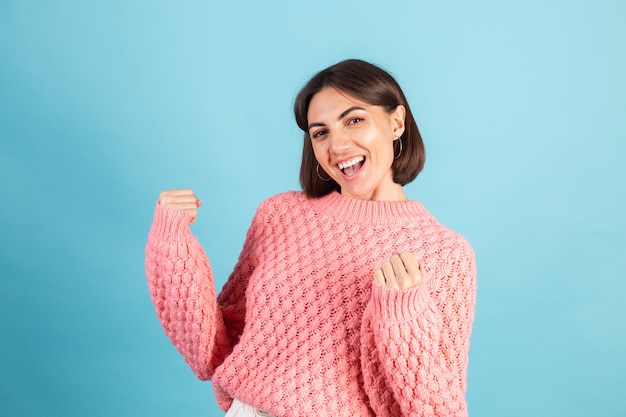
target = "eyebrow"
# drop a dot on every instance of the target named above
(341, 116)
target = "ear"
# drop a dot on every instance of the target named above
(397, 121)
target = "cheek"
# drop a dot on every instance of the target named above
(318, 150)
(385, 153)
(382, 145)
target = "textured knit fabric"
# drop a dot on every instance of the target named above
(300, 328)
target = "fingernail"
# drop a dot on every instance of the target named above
(198, 203)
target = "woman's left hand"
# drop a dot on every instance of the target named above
(401, 271)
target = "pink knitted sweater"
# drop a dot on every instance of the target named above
(301, 329)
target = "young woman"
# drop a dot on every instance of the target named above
(347, 299)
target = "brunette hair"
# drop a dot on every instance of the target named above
(375, 86)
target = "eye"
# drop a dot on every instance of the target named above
(355, 120)
(318, 134)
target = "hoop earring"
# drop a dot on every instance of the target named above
(317, 169)
(399, 153)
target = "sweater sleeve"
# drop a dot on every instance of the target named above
(415, 342)
(182, 288)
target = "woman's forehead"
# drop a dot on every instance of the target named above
(331, 102)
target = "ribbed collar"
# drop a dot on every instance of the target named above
(354, 210)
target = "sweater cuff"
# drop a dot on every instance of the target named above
(170, 223)
(399, 305)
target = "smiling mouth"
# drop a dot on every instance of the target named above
(351, 166)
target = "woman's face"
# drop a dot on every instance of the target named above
(353, 142)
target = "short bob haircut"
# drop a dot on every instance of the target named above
(372, 85)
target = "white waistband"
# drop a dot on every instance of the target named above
(241, 409)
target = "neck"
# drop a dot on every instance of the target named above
(392, 192)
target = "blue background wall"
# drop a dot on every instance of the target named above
(102, 104)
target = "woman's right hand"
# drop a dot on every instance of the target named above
(183, 199)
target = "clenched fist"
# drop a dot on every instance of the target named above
(401, 271)
(183, 199)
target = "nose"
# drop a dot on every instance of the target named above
(339, 142)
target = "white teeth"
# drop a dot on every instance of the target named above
(350, 162)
